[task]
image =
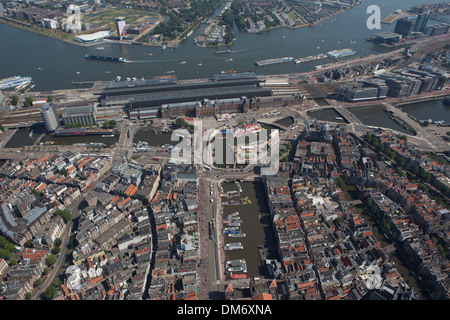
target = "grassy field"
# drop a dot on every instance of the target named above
(106, 18)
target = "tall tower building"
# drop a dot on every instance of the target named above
(121, 24)
(404, 27)
(421, 22)
(49, 116)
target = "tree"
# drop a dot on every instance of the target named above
(50, 99)
(340, 183)
(58, 242)
(28, 243)
(58, 283)
(65, 214)
(444, 189)
(28, 102)
(37, 283)
(180, 122)
(51, 259)
(14, 100)
(50, 291)
(106, 124)
(56, 250)
(400, 172)
(6, 248)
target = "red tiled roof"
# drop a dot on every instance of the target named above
(262, 296)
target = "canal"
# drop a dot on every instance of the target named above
(328, 114)
(53, 140)
(22, 138)
(256, 224)
(154, 138)
(436, 110)
(287, 122)
(373, 115)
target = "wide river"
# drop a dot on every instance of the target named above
(55, 64)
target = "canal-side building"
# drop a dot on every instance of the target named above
(362, 90)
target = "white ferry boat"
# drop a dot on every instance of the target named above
(234, 246)
(237, 235)
(238, 186)
(235, 269)
(234, 262)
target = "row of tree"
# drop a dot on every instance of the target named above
(28, 102)
(402, 164)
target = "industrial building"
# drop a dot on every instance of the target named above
(84, 115)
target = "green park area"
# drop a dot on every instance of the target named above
(107, 17)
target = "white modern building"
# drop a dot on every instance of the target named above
(50, 117)
(96, 36)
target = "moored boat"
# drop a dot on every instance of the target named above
(237, 235)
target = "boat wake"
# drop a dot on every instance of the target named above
(150, 61)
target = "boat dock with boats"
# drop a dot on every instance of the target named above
(17, 83)
(238, 265)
